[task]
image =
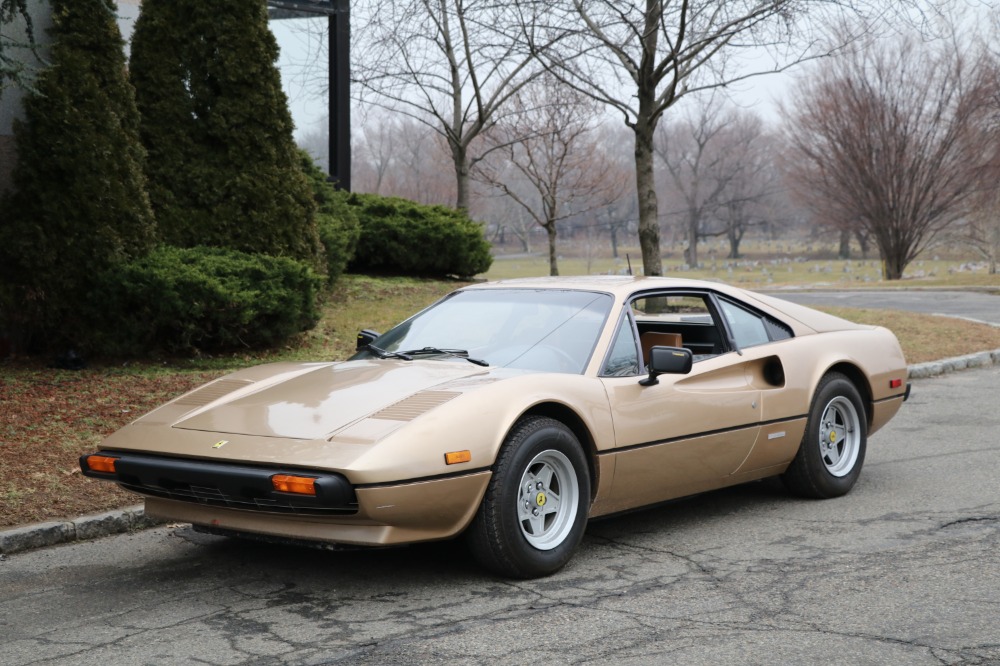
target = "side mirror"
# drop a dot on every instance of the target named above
(667, 361)
(365, 338)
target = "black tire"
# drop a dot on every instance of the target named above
(518, 534)
(832, 451)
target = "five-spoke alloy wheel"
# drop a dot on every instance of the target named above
(535, 509)
(547, 500)
(832, 452)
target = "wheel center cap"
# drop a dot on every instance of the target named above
(540, 499)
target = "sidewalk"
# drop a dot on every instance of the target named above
(132, 518)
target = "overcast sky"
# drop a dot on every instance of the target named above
(309, 108)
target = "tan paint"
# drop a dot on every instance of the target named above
(388, 515)
(388, 422)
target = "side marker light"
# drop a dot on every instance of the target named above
(299, 485)
(455, 457)
(104, 464)
(895, 383)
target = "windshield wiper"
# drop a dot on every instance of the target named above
(457, 353)
(381, 353)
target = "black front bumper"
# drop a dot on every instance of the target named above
(230, 485)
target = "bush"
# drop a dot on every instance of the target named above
(337, 222)
(403, 237)
(204, 299)
(78, 205)
(223, 168)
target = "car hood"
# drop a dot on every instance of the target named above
(319, 402)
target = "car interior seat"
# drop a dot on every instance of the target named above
(651, 339)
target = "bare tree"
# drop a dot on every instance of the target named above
(546, 161)
(753, 182)
(639, 57)
(377, 147)
(17, 32)
(398, 156)
(690, 151)
(980, 230)
(451, 64)
(497, 211)
(718, 162)
(886, 132)
(803, 208)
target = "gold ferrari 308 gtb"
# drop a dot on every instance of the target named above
(511, 412)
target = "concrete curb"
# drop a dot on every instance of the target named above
(948, 365)
(80, 529)
(132, 518)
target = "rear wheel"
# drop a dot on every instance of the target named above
(832, 451)
(535, 509)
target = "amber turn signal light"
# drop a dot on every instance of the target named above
(104, 464)
(455, 457)
(300, 485)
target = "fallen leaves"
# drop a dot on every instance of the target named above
(49, 418)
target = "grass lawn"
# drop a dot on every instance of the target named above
(764, 266)
(48, 417)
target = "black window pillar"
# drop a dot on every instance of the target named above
(340, 95)
(339, 78)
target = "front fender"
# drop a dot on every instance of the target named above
(477, 420)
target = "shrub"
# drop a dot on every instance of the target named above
(404, 237)
(223, 167)
(78, 204)
(204, 299)
(337, 222)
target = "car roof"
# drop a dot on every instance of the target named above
(803, 319)
(619, 285)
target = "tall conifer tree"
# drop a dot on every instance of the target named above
(223, 167)
(78, 204)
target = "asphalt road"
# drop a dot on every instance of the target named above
(904, 570)
(976, 305)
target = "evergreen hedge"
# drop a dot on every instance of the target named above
(183, 300)
(399, 236)
(336, 220)
(78, 204)
(223, 168)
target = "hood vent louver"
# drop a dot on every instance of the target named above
(212, 392)
(412, 407)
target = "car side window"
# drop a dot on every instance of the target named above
(623, 359)
(679, 319)
(750, 329)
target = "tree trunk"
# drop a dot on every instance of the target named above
(550, 227)
(845, 244)
(863, 242)
(649, 224)
(735, 238)
(892, 268)
(691, 252)
(460, 155)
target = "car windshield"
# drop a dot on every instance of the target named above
(545, 329)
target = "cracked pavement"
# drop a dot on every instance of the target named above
(904, 570)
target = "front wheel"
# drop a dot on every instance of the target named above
(535, 509)
(832, 451)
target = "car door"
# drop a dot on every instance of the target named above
(686, 433)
